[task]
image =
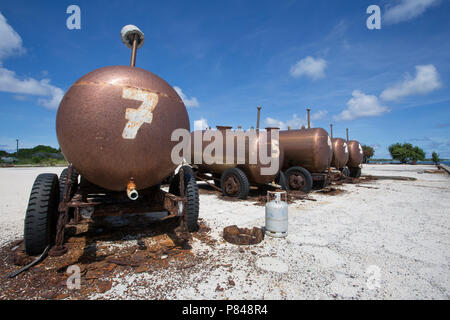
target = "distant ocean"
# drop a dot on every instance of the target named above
(418, 162)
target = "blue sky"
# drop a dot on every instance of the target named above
(388, 85)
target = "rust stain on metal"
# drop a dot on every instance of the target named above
(100, 83)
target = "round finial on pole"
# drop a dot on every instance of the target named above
(133, 38)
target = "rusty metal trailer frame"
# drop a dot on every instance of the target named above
(79, 198)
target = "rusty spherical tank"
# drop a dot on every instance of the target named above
(340, 153)
(355, 154)
(307, 148)
(243, 162)
(115, 124)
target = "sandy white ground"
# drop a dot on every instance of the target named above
(391, 241)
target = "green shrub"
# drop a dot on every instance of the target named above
(406, 152)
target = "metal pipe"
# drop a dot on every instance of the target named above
(134, 50)
(257, 121)
(331, 131)
(309, 118)
(131, 190)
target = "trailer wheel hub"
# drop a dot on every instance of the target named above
(296, 181)
(231, 185)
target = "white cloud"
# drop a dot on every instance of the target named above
(189, 102)
(201, 124)
(53, 102)
(309, 67)
(9, 82)
(11, 44)
(361, 105)
(406, 10)
(319, 115)
(294, 123)
(425, 81)
(10, 40)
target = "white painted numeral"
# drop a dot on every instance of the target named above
(137, 117)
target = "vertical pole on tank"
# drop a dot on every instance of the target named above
(257, 120)
(331, 131)
(347, 134)
(309, 117)
(133, 50)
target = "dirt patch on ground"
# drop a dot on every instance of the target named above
(101, 253)
(331, 191)
(257, 196)
(438, 171)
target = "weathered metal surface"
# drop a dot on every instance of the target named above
(63, 215)
(355, 154)
(252, 171)
(115, 123)
(307, 148)
(340, 153)
(205, 178)
(215, 168)
(243, 236)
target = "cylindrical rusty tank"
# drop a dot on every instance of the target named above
(340, 153)
(307, 148)
(115, 123)
(217, 167)
(240, 160)
(355, 154)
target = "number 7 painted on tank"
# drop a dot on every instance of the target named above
(137, 117)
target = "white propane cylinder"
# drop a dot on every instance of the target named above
(276, 215)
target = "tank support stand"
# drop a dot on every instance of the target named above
(116, 203)
(63, 216)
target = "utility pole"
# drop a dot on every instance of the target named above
(17, 147)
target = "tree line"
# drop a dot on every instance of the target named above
(405, 153)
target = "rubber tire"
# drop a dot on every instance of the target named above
(191, 193)
(282, 181)
(355, 172)
(174, 187)
(242, 179)
(306, 174)
(346, 172)
(42, 213)
(63, 180)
